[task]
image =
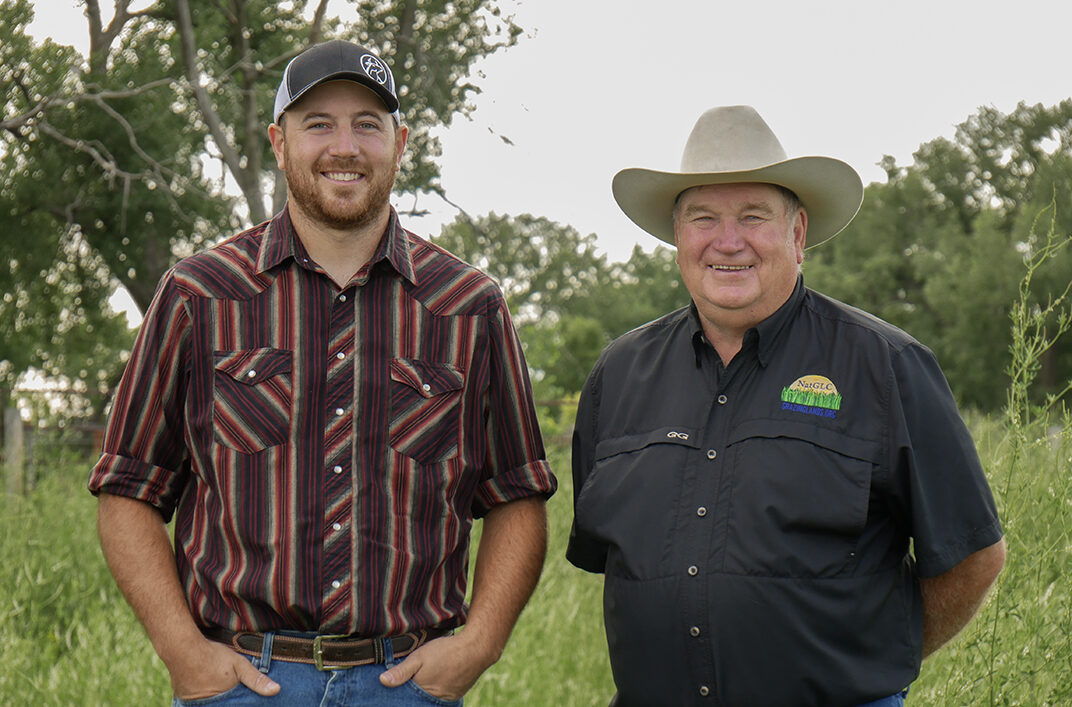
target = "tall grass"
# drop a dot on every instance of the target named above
(66, 635)
(1019, 651)
(68, 638)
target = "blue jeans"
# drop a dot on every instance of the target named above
(891, 701)
(302, 684)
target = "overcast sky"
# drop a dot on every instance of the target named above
(595, 86)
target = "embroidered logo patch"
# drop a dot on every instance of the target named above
(812, 395)
(375, 69)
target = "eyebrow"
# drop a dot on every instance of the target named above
(760, 206)
(322, 115)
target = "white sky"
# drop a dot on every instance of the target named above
(595, 86)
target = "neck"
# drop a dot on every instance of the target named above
(339, 252)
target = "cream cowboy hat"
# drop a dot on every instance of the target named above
(733, 144)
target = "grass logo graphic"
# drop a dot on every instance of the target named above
(812, 395)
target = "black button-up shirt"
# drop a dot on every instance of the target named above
(753, 521)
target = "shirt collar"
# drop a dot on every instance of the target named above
(769, 328)
(281, 242)
(765, 333)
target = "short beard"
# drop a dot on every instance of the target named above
(308, 198)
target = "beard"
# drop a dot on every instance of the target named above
(340, 207)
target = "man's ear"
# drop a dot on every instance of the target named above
(401, 139)
(800, 233)
(275, 136)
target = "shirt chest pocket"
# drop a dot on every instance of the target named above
(798, 500)
(426, 398)
(252, 393)
(630, 499)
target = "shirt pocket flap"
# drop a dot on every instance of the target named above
(683, 436)
(253, 366)
(428, 379)
(853, 447)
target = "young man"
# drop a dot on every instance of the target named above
(749, 471)
(325, 402)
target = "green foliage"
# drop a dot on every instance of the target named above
(1019, 650)
(939, 248)
(568, 303)
(112, 165)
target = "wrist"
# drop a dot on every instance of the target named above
(485, 646)
(176, 648)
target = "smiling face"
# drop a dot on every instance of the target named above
(340, 150)
(739, 249)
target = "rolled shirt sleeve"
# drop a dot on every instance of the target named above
(144, 454)
(516, 466)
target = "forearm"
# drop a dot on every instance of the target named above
(950, 600)
(139, 554)
(513, 545)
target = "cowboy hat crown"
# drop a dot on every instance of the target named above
(733, 144)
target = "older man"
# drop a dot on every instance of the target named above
(325, 402)
(779, 489)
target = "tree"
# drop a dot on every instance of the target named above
(939, 249)
(568, 303)
(123, 155)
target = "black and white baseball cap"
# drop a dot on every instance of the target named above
(333, 61)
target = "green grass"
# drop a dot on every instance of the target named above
(68, 638)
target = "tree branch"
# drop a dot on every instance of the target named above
(247, 182)
(316, 29)
(107, 163)
(43, 105)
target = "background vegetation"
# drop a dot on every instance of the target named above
(115, 164)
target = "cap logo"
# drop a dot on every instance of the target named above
(375, 69)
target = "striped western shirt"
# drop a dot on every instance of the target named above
(324, 450)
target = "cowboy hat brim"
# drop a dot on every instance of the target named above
(829, 189)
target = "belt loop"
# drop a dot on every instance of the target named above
(265, 662)
(386, 648)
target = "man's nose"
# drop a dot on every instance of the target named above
(345, 142)
(727, 237)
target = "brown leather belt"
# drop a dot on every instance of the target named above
(325, 652)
